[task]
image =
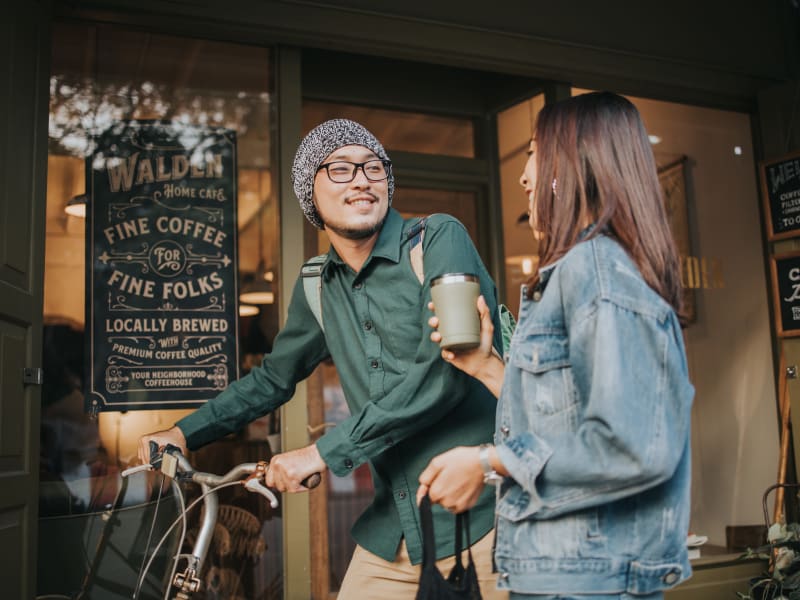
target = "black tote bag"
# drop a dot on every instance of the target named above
(462, 582)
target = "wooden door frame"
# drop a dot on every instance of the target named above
(23, 162)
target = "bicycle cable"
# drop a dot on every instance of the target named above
(179, 519)
(140, 580)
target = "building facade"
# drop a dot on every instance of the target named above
(452, 90)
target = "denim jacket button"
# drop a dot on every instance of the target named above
(537, 296)
(505, 430)
(504, 575)
(670, 578)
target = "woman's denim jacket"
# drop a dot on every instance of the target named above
(593, 426)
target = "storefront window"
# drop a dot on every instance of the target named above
(706, 167)
(401, 130)
(104, 77)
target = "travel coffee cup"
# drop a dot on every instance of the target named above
(455, 297)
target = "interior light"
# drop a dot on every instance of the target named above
(76, 207)
(737, 150)
(654, 139)
(257, 296)
(525, 262)
(527, 266)
(248, 310)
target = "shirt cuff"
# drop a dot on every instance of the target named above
(339, 452)
(198, 431)
(524, 457)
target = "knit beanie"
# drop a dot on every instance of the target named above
(317, 146)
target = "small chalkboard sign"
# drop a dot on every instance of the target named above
(780, 189)
(786, 291)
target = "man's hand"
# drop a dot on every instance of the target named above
(287, 471)
(172, 436)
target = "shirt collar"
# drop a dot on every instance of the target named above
(386, 246)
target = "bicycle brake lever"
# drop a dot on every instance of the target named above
(254, 485)
(136, 469)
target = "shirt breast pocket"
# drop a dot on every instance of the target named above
(546, 380)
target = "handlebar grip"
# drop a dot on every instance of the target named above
(311, 481)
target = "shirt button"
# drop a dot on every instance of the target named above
(358, 285)
(373, 363)
(505, 430)
(670, 578)
(368, 325)
(348, 463)
(401, 494)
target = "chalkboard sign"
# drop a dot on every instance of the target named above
(786, 291)
(780, 189)
(161, 266)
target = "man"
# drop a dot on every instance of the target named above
(407, 405)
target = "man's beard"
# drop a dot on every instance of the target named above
(355, 233)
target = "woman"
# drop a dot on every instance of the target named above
(592, 435)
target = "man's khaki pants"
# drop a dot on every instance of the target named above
(369, 576)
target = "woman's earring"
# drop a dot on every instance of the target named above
(555, 185)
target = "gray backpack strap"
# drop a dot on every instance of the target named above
(415, 236)
(312, 285)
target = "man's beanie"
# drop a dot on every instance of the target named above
(317, 146)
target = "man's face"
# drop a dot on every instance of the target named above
(354, 210)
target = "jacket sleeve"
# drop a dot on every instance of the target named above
(297, 350)
(633, 416)
(432, 387)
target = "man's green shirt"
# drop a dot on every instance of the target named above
(407, 404)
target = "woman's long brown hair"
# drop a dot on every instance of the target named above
(596, 150)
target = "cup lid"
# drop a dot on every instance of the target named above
(454, 278)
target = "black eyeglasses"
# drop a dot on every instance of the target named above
(342, 171)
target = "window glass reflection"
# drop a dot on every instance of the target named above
(400, 130)
(102, 76)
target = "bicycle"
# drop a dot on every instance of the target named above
(176, 467)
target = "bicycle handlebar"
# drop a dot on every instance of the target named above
(171, 462)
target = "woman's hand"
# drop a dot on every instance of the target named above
(482, 362)
(453, 479)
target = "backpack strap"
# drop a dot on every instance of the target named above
(312, 285)
(415, 235)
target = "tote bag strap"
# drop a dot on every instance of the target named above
(428, 540)
(462, 524)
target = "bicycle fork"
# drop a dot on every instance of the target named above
(189, 582)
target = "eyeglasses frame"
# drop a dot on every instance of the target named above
(387, 164)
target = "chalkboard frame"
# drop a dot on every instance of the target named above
(779, 264)
(771, 201)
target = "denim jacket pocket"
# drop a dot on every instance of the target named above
(545, 373)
